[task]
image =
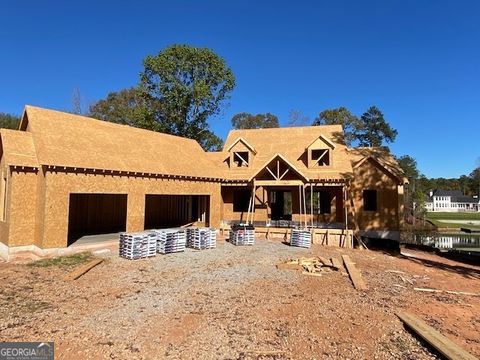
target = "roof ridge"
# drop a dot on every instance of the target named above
(108, 123)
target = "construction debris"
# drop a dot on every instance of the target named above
(355, 275)
(242, 235)
(75, 274)
(442, 344)
(313, 266)
(447, 292)
(201, 238)
(301, 238)
(134, 246)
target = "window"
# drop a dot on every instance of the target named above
(241, 200)
(370, 200)
(321, 201)
(240, 158)
(321, 157)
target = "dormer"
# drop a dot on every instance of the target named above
(320, 153)
(241, 154)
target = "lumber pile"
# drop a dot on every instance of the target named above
(134, 246)
(241, 235)
(201, 238)
(312, 266)
(171, 240)
(301, 238)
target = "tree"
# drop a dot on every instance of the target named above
(260, 121)
(297, 118)
(9, 121)
(374, 129)
(409, 166)
(127, 107)
(474, 182)
(184, 86)
(340, 116)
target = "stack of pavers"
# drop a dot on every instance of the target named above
(171, 240)
(242, 234)
(301, 238)
(201, 238)
(139, 245)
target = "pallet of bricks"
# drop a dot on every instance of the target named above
(301, 238)
(134, 246)
(242, 234)
(201, 238)
(171, 240)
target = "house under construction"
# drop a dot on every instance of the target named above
(65, 176)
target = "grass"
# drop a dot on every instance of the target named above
(62, 261)
(433, 217)
(453, 216)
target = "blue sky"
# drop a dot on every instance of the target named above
(417, 60)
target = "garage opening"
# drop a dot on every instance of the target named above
(165, 211)
(95, 214)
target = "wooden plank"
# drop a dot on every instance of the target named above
(75, 274)
(324, 261)
(311, 273)
(289, 266)
(336, 263)
(447, 291)
(442, 344)
(355, 275)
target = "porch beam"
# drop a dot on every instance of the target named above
(279, 182)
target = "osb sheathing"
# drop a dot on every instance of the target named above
(369, 176)
(23, 197)
(59, 186)
(292, 144)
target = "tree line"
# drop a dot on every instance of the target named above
(182, 87)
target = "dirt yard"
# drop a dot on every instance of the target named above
(233, 303)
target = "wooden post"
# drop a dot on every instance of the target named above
(311, 203)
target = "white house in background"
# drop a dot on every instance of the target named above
(450, 201)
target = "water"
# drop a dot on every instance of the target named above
(450, 241)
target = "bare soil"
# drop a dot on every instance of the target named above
(233, 303)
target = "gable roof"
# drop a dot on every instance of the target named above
(18, 148)
(249, 147)
(291, 143)
(63, 139)
(279, 156)
(382, 157)
(324, 139)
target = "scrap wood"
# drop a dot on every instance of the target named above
(405, 280)
(265, 352)
(324, 261)
(447, 291)
(312, 273)
(289, 266)
(75, 274)
(442, 344)
(395, 272)
(336, 264)
(355, 275)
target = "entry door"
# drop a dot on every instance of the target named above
(281, 205)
